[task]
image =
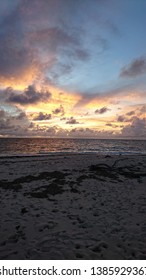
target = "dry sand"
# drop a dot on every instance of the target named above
(70, 206)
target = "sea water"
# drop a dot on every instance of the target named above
(29, 146)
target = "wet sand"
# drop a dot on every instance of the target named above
(71, 206)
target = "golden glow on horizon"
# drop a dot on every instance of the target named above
(58, 98)
(84, 114)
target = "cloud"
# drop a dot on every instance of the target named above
(5, 125)
(122, 90)
(136, 129)
(72, 120)
(5, 121)
(14, 123)
(112, 125)
(16, 55)
(29, 41)
(128, 117)
(58, 111)
(42, 36)
(2, 114)
(143, 109)
(112, 27)
(18, 124)
(29, 96)
(21, 116)
(102, 110)
(109, 124)
(63, 119)
(17, 114)
(82, 55)
(52, 38)
(88, 132)
(42, 117)
(131, 113)
(121, 118)
(14, 60)
(82, 132)
(136, 68)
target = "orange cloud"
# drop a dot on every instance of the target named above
(21, 80)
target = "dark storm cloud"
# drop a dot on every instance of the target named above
(109, 124)
(21, 116)
(14, 59)
(16, 121)
(15, 54)
(124, 118)
(72, 120)
(29, 96)
(102, 110)
(59, 110)
(131, 113)
(135, 68)
(121, 118)
(135, 129)
(112, 125)
(42, 117)
(29, 39)
(35, 32)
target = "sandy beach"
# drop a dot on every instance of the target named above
(73, 206)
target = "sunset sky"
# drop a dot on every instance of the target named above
(73, 68)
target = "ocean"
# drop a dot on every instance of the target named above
(35, 146)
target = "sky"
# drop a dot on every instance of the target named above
(73, 68)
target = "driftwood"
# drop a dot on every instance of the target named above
(113, 171)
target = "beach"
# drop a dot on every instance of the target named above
(73, 206)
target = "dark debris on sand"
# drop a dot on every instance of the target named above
(113, 171)
(55, 187)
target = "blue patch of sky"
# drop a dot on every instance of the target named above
(105, 64)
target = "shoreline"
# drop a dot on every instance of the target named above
(64, 153)
(73, 206)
